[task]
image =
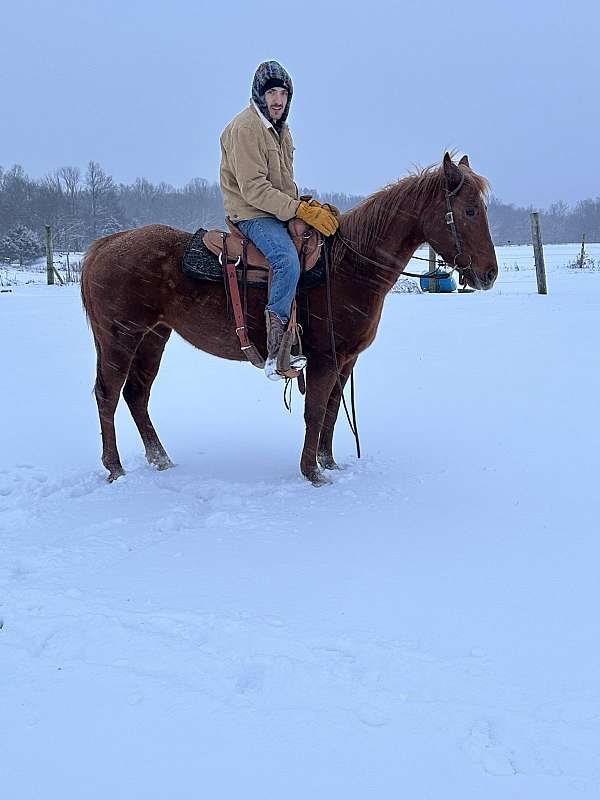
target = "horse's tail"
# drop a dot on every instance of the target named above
(86, 267)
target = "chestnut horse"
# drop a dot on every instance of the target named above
(135, 294)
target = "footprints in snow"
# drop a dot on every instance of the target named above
(482, 747)
(24, 486)
(251, 679)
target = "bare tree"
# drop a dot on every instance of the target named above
(71, 177)
(98, 184)
(52, 183)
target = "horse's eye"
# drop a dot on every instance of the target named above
(470, 212)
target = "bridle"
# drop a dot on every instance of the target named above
(458, 250)
(435, 274)
(450, 221)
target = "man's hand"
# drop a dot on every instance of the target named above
(318, 217)
(329, 206)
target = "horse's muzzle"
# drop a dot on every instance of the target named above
(485, 282)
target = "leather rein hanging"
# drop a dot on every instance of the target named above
(248, 348)
(449, 218)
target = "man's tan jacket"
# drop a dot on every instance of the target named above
(257, 174)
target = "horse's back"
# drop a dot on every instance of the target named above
(126, 272)
(151, 241)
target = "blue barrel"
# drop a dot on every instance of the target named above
(443, 284)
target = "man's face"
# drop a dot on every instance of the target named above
(276, 100)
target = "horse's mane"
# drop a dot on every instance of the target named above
(369, 222)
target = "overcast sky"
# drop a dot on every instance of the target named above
(145, 88)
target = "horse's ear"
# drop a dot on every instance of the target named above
(452, 172)
(464, 160)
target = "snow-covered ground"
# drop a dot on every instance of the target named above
(424, 627)
(68, 267)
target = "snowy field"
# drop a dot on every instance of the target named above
(426, 627)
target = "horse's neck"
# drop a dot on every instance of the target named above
(361, 286)
(373, 277)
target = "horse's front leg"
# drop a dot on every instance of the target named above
(325, 449)
(320, 380)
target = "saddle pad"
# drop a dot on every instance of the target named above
(199, 263)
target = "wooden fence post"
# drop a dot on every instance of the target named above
(582, 255)
(432, 284)
(49, 257)
(538, 252)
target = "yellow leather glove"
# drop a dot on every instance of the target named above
(319, 217)
(334, 209)
(329, 206)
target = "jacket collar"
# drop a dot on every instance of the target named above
(263, 119)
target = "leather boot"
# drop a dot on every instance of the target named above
(275, 331)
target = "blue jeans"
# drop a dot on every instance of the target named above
(273, 240)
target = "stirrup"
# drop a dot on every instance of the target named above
(290, 364)
(294, 368)
(271, 370)
(298, 362)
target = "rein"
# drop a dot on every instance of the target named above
(449, 217)
(405, 274)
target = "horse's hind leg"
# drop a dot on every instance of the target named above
(142, 372)
(114, 359)
(325, 451)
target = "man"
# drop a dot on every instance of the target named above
(257, 180)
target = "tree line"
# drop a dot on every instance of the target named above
(84, 205)
(560, 222)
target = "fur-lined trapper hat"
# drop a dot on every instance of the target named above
(268, 75)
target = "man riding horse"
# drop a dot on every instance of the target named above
(260, 195)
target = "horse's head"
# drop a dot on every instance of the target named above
(455, 223)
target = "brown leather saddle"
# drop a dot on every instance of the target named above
(242, 261)
(240, 250)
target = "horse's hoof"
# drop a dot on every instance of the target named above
(318, 479)
(328, 462)
(115, 473)
(164, 463)
(158, 458)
